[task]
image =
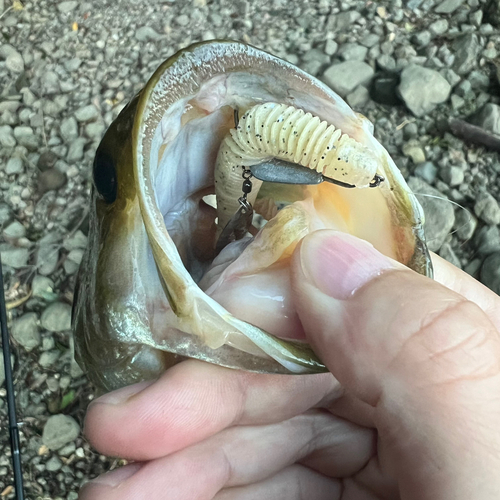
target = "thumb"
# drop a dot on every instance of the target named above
(423, 356)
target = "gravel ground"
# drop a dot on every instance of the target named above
(67, 69)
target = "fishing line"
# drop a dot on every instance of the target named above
(11, 400)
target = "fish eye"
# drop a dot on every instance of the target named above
(104, 173)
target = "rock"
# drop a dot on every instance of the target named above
(487, 209)
(47, 259)
(46, 160)
(457, 102)
(75, 151)
(182, 20)
(384, 89)
(426, 171)
(452, 175)
(465, 224)
(343, 78)
(14, 231)
(147, 34)
(95, 129)
(370, 40)
(73, 260)
(56, 317)
(386, 62)
(50, 83)
(447, 253)
(14, 257)
(5, 214)
(14, 166)
(345, 19)
(466, 49)
(413, 150)
(421, 39)
(487, 240)
(490, 272)
(59, 430)
(439, 27)
(448, 6)
(14, 62)
(78, 240)
(358, 98)
(42, 287)
(69, 129)
(331, 47)
(53, 463)
(67, 6)
(25, 331)
(439, 214)
(352, 52)
(49, 358)
(50, 180)
(422, 89)
(7, 139)
(489, 118)
(87, 113)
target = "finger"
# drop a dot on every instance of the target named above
(426, 358)
(460, 282)
(293, 483)
(244, 455)
(194, 400)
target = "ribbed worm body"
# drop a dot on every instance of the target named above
(274, 130)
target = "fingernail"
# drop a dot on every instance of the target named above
(338, 264)
(110, 480)
(124, 394)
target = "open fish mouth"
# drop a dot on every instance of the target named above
(205, 184)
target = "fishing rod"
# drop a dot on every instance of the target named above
(11, 399)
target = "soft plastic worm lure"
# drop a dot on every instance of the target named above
(273, 130)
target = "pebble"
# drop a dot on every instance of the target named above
(358, 98)
(42, 287)
(53, 464)
(75, 150)
(345, 19)
(67, 6)
(59, 430)
(46, 160)
(147, 34)
(465, 224)
(490, 272)
(439, 213)
(343, 78)
(56, 317)
(14, 231)
(47, 259)
(14, 62)
(49, 358)
(77, 240)
(51, 179)
(426, 170)
(14, 166)
(87, 113)
(489, 118)
(466, 49)
(331, 47)
(384, 89)
(446, 251)
(352, 52)
(448, 6)
(7, 139)
(439, 27)
(68, 129)
(487, 240)
(50, 83)
(413, 150)
(422, 89)
(25, 331)
(487, 209)
(73, 260)
(14, 257)
(452, 175)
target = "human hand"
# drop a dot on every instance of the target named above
(413, 411)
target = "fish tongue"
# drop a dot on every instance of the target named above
(255, 286)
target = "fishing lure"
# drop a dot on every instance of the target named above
(273, 130)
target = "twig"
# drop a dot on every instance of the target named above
(475, 134)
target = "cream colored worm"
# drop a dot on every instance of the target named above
(273, 130)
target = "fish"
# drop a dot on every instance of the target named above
(203, 187)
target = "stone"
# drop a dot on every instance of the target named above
(448, 6)
(87, 113)
(487, 209)
(47, 259)
(331, 47)
(46, 160)
(446, 251)
(422, 89)
(466, 49)
(51, 179)
(26, 137)
(452, 175)
(69, 129)
(147, 34)
(490, 272)
(56, 317)
(345, 19)
(421, 39)
(42, 287)
(489, 118)
(457, 102)
(414, 151)
(49, 358)
(487, 240)
(465, 224)
(77, 240)
(76, 150)
(14, 62)
(343, 78)
(73, 260)
(384, 89)
(370, 40)
(59, 430)
(358, 98)
(50, 82)
(14, 231)
(426, 171)
(352, 52)
(95, 129)
(14, 257)
(67, 6)
(439, 213)
(7, 139)
(14, 166)
(439, 27)
(25, 331)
